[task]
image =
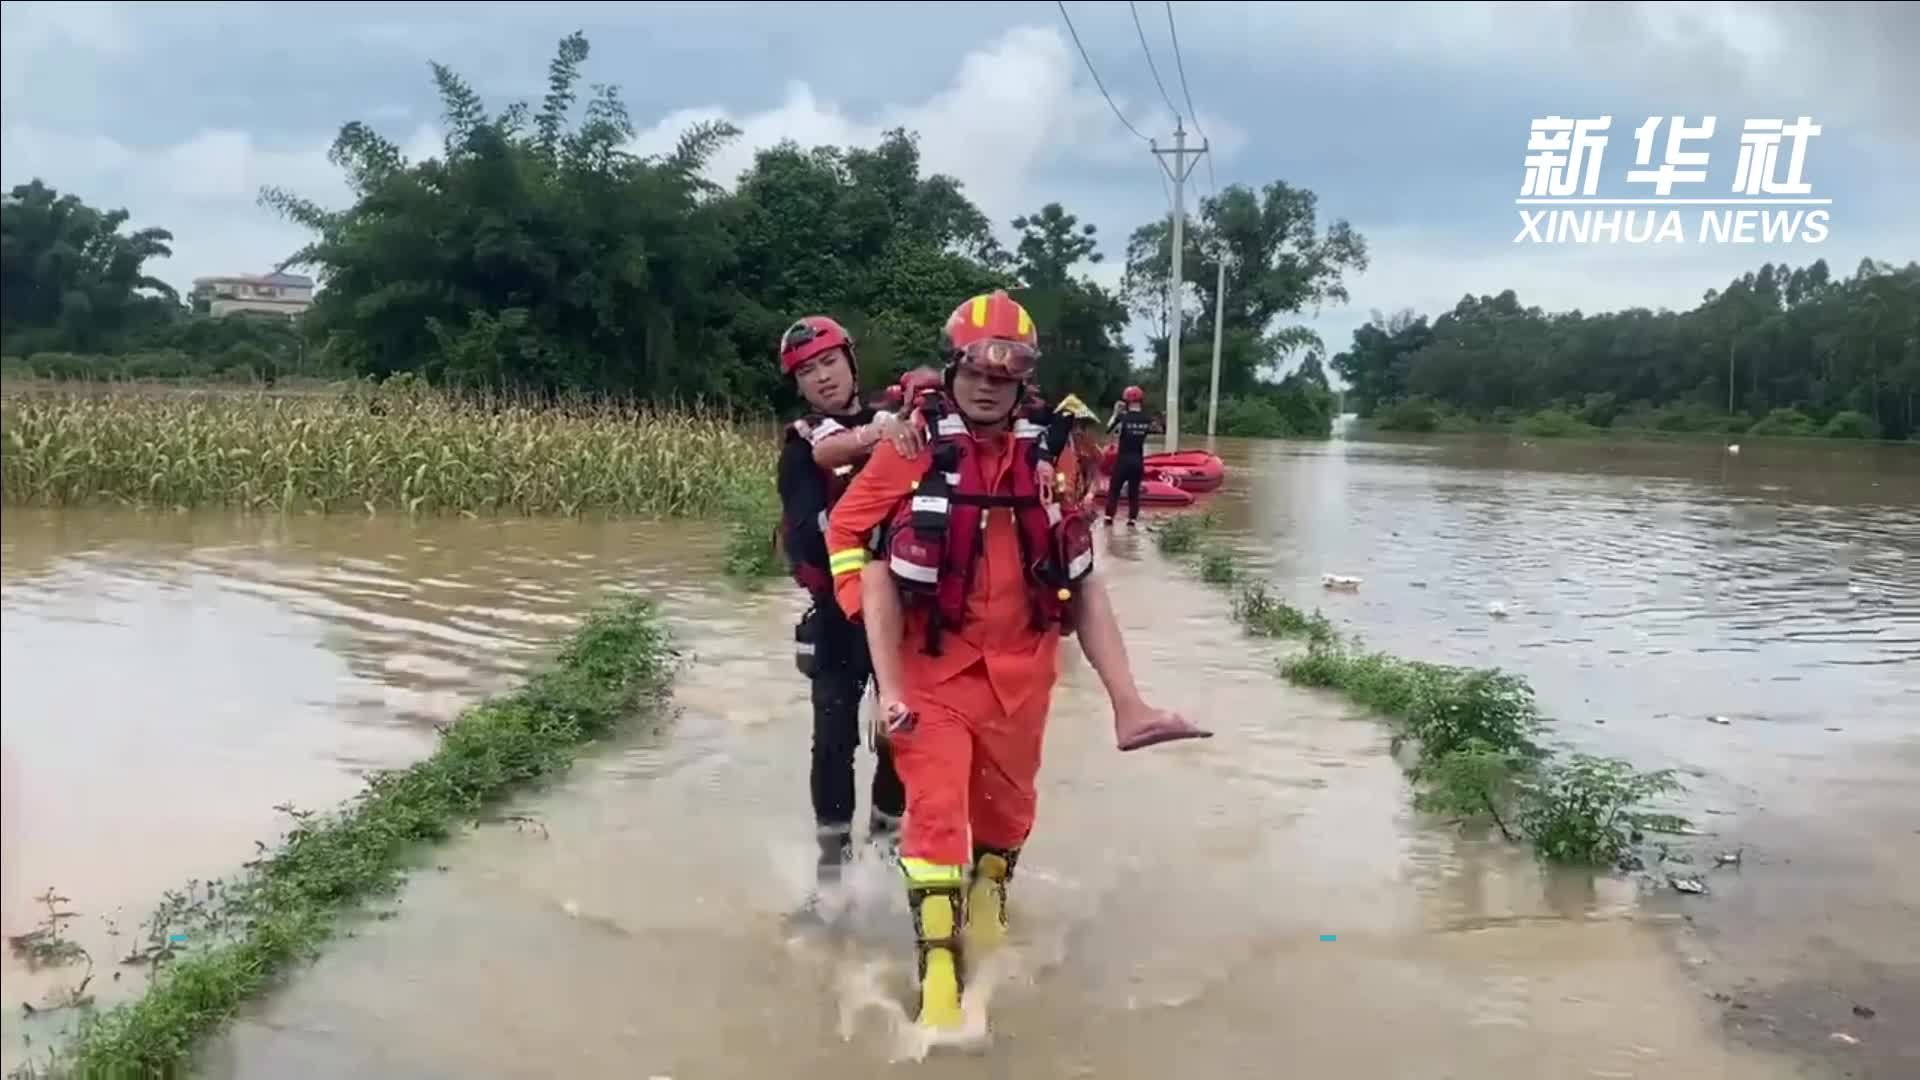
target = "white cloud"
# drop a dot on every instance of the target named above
(204, 189)
(1011, 111)
(97, 26)
(28, 30)
(1847, 63)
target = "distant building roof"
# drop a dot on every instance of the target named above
(276, 278)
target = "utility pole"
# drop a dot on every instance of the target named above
(1178, 173)
(1219, 312)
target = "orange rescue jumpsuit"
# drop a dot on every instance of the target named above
(970, 760)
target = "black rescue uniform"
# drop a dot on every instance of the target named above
(1130, 464)
(831, 651)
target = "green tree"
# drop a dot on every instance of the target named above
(70, 279)
(1782, 350)
(1081, 324)
(861, 235)
(1279, 262)
(530, 253)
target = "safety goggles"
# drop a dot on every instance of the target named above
(1004, 359)
(797, 335)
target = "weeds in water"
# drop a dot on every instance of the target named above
(1180, 534)
(753, 533)
(1584, 810)
(1476, 732)
(397, 446)
(1216, 565)
(1265, 615)
(47, 945)
(1443, 708)
(1475, 781)
(212, 947)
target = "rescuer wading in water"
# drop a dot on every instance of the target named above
(983, 572)
(821, 453)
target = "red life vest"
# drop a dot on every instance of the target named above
(934, 538)
(816, 577)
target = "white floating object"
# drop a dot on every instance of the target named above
(572, 908)
(1733, 448)
(1843, 1038)
(1718, 720)
(1687, 885)
(1497, 609)
(1339, 581)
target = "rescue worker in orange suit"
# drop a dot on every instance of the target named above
(820, 454)
(984, 571)
(1131, 422)
(1080, 463)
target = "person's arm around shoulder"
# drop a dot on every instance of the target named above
(840, 445)
(1136, 724)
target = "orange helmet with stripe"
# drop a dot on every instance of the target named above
(993, 334)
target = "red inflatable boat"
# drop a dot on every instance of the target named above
(1189, 470)
(1152, 493)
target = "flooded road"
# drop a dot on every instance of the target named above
(170, 679)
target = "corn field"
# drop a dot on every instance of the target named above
(370, 449)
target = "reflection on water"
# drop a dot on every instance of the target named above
(1658, 586)
(170, 678)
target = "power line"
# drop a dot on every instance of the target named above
(1138, 29)
(1096, 74)
(1184, 92)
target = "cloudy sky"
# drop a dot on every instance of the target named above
(1408, 120)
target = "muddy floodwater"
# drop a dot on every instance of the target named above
(1264, 903)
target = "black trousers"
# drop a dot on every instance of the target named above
(839, 682)
(1127, 474)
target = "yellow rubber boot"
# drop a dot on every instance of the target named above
(934, 894)
(987, 898)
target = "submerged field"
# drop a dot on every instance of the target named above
(395, 447)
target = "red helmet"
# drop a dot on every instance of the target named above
(810, 337)
(992, 333)
(916, 382)
(1132, 394)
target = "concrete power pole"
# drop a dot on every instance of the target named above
(1178, 173)
(1219, 310)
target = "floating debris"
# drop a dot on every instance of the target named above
(1692, 885)
(1844, 1039)
(1339, 581)
(1718, 720)
(1497, 609)
(1727, 858)
(1864, 1012)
